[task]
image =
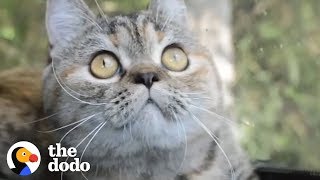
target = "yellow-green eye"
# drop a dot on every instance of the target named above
(175, 59)
(104, 66)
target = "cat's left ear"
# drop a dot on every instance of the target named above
(65, 20)
(170, 10)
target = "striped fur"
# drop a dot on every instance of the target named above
(166, 141)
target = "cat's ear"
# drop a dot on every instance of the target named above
(172, 10)
(65, 19)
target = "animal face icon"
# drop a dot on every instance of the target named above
(23, 158)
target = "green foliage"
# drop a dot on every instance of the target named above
(278, 89)
(22, 41)
(278, 64)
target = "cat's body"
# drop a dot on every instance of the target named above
(153, 118)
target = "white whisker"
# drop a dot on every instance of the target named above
(101, 124)
(43, 119)
(195, 93)
(226, 120)
(89, 135)
(63, 83)
(185, 139)
(63, 127)
(101, 11)
(157, 14)
(215, 139)
(166, 22)
(85, 120)
(205, 98)
(95, 134)
(130, 130)
(162, 91)
(97, 171)
(185, 95)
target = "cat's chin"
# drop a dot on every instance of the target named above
(151, 112)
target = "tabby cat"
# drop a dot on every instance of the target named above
(137, 95)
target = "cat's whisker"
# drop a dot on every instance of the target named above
(186, 95)
(168, 93)
(145, 135)
(125, 131)
(195, 93)
(133, 118)
(186, 144)
(215, 139)
(203, 126)
(101, 11)
(101, 124)
(49, 116)
(157, 14)
(162, 91)
(44, 118)
(176, 120)
(94, 135)
(68, 125)
(63, 83)
(227, 120)
(89, 135)
(130, 130)
(185, 139)
(67, 133)
(97, 171)
(200, 98)
(168, 20)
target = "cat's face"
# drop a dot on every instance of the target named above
(141, 76)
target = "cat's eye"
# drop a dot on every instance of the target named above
(174, 59)
(104, 65)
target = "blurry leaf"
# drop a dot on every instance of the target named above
(269, 30)
(7, 33)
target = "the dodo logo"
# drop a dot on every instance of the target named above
(23, 158)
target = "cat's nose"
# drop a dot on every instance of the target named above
(147, 78)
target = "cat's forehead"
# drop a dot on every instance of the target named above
(132, 38)
(140, 33)
(136, 33)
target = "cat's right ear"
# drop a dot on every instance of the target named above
(172, 10)
(65, 19)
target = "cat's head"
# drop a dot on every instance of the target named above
(144, 71)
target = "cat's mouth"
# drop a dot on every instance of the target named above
(150, 101)
(147, 104)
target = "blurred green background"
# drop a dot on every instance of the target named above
(277, 46)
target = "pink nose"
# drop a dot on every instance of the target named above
(33, 158)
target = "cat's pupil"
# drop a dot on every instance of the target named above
(104, 63)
